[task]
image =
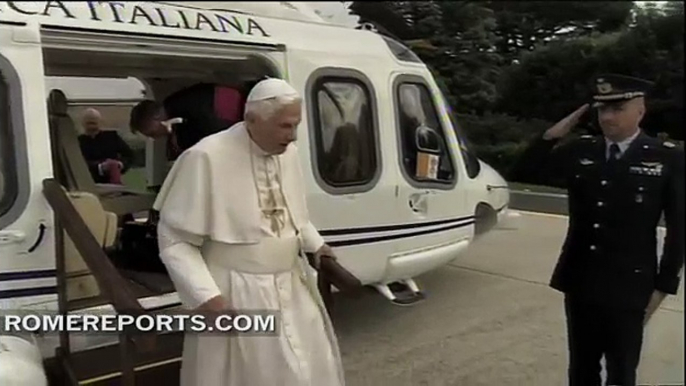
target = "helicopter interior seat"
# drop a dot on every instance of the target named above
(81, 284)
(72, 169)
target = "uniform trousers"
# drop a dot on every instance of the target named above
(595, 330)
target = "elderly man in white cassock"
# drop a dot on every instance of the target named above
(233, 223)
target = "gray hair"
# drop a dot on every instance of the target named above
(267, 107)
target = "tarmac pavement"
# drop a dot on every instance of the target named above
(489, 319)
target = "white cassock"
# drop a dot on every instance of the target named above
(233, 221)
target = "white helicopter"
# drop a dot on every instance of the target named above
(392, 184)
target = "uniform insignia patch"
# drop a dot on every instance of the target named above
(648, 169)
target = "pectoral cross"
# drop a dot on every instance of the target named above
(274, 214)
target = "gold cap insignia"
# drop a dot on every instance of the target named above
(604, 88)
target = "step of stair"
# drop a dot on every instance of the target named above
(102, 366)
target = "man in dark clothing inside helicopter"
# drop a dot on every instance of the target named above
(188, 115)
(106, 153)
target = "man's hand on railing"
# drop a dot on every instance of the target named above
(327, 266)
(324, 252)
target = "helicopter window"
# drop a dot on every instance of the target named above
(470, 159)
(8, 177)
(344, 132)
(400, 51)
(425, 153)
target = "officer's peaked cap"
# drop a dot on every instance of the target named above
(608, 88)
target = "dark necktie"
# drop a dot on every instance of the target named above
(614, 153)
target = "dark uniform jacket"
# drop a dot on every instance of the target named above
(610, 252)
(106, 144)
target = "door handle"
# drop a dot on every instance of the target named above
(41, 235)
(491, 187)
(11, 237)
(418, 202)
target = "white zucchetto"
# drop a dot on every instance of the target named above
(271, 88)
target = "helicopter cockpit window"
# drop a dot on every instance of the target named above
(346, 143)
(400, 51)
(471, 161)
(425, 154)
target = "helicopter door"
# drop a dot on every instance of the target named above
(427, 188)
(26, 232)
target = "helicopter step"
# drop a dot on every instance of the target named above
(403, 293)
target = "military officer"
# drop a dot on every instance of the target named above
(619, 185)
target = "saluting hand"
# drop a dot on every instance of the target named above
(564, 126)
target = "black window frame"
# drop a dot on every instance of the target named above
(14, 197)
(419, 184)
(341, 75)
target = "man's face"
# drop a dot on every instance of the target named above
(278, 131)
(620, 120)
(91, 125)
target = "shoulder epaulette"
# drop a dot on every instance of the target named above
(588, 138)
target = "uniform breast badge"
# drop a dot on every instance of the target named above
(647, 169)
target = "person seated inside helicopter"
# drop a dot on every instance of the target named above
(106, 153)
(188, 115)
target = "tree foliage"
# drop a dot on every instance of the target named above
(553, 80)
(509, 68)
(524, 25)
(454, 38)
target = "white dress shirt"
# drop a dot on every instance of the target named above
(623, 145)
